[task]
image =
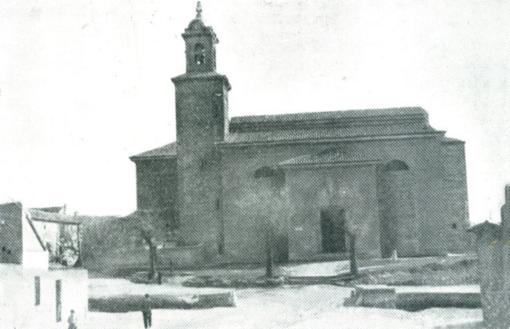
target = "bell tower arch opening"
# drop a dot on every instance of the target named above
(199, 54)
(200, 45)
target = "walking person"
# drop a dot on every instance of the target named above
(72, 320)
(147, 312)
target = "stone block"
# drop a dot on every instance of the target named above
(380, 296)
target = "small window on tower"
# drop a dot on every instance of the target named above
(199, 54)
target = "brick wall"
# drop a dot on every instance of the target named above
(352, 189)
(156, 181)
(399, 227)
(201, 116)
(11, 233)
(455, 192)
(425, 195)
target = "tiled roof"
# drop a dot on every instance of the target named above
(44, 216)
(296, 127)
(324, 134)
(52, 209)
(343, 116)
(165, 151)
(329, 125)
(449, 140)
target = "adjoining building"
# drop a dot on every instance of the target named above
(493, 250)
(38, 286)
(384, 175)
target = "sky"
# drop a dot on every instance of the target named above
(84, 84)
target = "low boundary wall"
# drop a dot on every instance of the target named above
(132, 303)
(413, 299)
(117, 261)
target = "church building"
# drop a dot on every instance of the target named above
(384, 176)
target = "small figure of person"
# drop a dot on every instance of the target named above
(72, 320)
(147, 312)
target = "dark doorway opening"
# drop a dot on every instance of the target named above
(333, 230)
(282, 248)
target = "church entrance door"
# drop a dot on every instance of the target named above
(333, 230)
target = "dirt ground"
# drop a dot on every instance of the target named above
(296, 307)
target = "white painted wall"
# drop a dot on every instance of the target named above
(36, 260)
(17, 303)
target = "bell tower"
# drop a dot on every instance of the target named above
(200, 45)
(201, 106)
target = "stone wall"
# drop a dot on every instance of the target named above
(429, 199)
(156, 181)
(399, 226)
(120, 262)
(201, 112)
(351, 188)
(493, 249)
(427, 196)
(108, 241)
(114, 245)
(11, 233)
(19, 243)
(455, 192)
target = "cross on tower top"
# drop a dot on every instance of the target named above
(199, 10)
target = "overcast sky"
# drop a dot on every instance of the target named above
(84, 84)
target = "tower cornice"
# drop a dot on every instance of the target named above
(202, 76)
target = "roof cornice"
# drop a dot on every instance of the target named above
(360, 138)
(340, 119)
(331, 164)
(135, 158)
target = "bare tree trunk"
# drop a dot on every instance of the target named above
(152, 272)
(269, 263)
(352, 255)
(152, 257)
(269, 252)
